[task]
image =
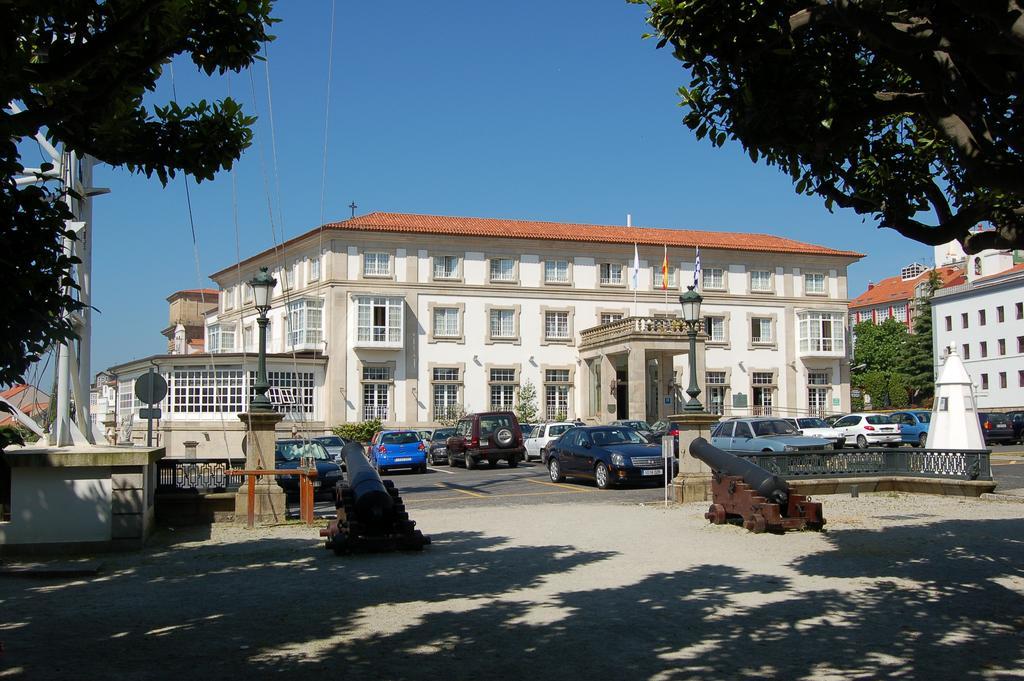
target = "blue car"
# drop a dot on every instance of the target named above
(913, 426)
(398, 449)
(763, 435)
(288, 454)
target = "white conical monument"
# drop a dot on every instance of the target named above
(954, 415)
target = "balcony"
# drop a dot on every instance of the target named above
(632, 329)
(821, 334)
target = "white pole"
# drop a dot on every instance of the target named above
(62, 419)
(82, 412)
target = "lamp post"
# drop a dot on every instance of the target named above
(691, 301)
(262, 285)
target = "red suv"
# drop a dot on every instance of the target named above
(489, 437)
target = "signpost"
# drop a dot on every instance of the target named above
(668, 453)
(150, 388)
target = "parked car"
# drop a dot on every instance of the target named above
(489, 436)
(426, 434)
(437, 452)
(333, 444)
(831, 419)
(764, 434)
(391, 449)
(288, 455)
(865, 430)
(1017, 420)
(537, 441)
(608, 455)
(814, 427)
(641, 427)
(996, 427)
(913, 425)
(660, 429)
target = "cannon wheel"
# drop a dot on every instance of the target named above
(716, 514)
(758, 524)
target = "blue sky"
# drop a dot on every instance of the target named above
(547, 111)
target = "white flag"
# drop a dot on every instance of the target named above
(636, 268)
(696, 270)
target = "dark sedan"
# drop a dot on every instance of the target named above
(333, 444)
(288, 454)
(996, 428)
(438, 452)
(608, 455)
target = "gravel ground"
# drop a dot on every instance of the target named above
(901, 586)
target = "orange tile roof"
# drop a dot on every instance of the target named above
(12, 391)
(559, 231)
(895, 289)
(1015, 268)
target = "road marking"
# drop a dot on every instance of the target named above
(568, 488)
(453, 488)
(441, 470)
(491, 496)
(1008, 463)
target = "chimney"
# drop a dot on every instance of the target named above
(871, 285)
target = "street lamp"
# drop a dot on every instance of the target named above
(262, 286)
(691, 301)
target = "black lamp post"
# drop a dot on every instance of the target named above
(262, 286)
(691, 301)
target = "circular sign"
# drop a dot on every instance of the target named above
(150, 388)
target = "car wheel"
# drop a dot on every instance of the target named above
(555, 471)
(837, 445)
(470, 462)
(862, 442)
(601, 476)
(513, 462)
(448, 460)
(922, 439)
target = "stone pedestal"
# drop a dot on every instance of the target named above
(260, 437)
(693, 482)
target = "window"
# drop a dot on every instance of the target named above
(981, 318)
(966, 351)
(376, 264)
(556, 325)
(305, 322)
(963, 320)
(556, 271)
(1020, 378)
(611, 273)
(1020, 343)
(502, 389)
(376, 392)
(1002, 379)
(503, 269)
(715, 381)
(984, 381)
(503, 324)
(822, 332)
(289, 276)
(672, 272)
(220, 338)
(715, 329)
(1020, 310)
(761, 330)
(378, 320)
(818, 385)
(760, 280)
(949, 323)
(609, 317)
(228, 296)
(446, 322)
(249, 338)
(714, 278)
(900, 312)
(246, 294)
(882, 314)
(814, 283)
(446, 386)
(314, 268)
(763, 389)
(556, 394)
(201, 390)
(1000, 314)
(983, 347)
(446, 267)
(1002, 346)
(295, 389)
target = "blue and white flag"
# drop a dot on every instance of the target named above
(636, 268)
(696, 270)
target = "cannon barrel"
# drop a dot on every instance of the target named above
(373, 504)
(771, 487)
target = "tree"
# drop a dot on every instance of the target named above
(880, 347)
(898, 110)
(526, 403)
(919, 355)
(77, 72)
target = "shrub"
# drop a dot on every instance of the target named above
(360, 432)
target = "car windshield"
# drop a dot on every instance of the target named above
(331, 441)
(402, 438)
(442, 434)
(878, 419)
(637, 425)
(812, 423)
(489, 424)
(773, 427)
(997, 419)
(615, 436)
(295, 450)
(923, 416)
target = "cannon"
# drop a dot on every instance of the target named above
(371, 514)
(744, 492)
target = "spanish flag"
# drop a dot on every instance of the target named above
(664, 270)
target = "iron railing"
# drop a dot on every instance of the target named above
(201, 475)
(972, 464)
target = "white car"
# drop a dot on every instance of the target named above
(815, 427)
(541, 436)
(867, 430)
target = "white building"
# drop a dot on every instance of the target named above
(984, 320)
(405, 317)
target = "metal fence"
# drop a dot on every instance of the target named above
(923, 463)
(201, 475)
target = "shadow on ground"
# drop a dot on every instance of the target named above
(933, 601)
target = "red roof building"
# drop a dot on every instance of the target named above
(894, 296)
